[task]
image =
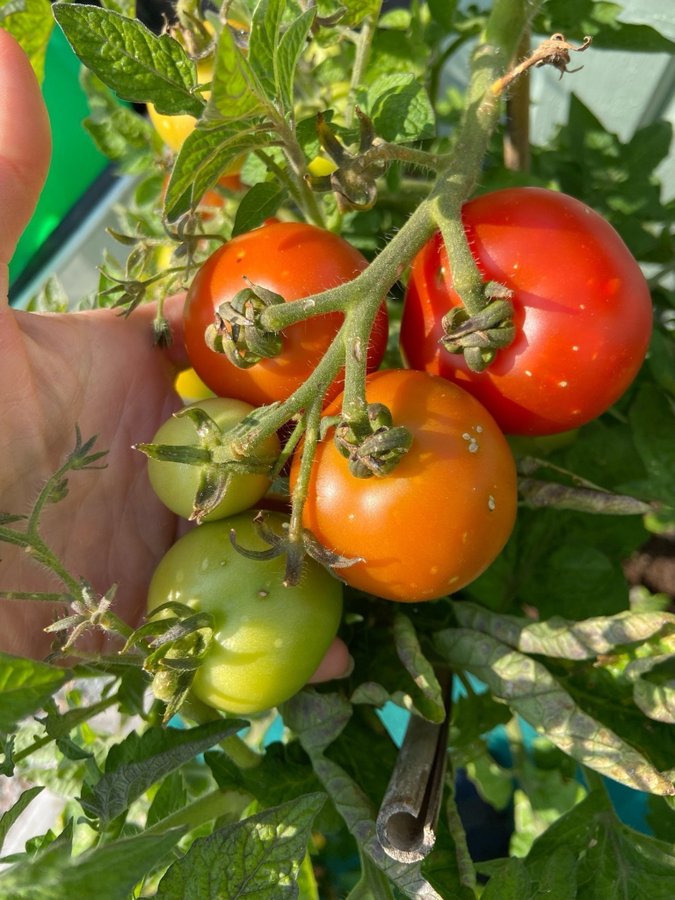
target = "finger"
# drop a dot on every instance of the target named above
(25, 145)
(337, 663)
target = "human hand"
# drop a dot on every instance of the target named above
(91, 369)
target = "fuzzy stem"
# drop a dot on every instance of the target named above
(214, 805)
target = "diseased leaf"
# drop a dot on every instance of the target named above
(136, 763)
(138, 65)
(532, 692)
(259, 856)
(654, 686)
(563, 638)
(25, 685)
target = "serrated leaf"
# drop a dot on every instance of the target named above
(25, 685)
(288, 53)
(136, 763)
(10, 817)
(259, 856)
(563, 638)
(108, 872)
(203, 158)
(258, 203)
(400, 108)
(31, 22)
(138, 65)
(236, 93)
(532, 692)
(310, 712)
(263, 41)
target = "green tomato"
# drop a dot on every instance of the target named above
(176, 483)
(268, 639)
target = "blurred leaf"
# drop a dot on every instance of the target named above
(443, 11)
(599, 19)
(108, 872)
(119, 133)
(258, 203)
(652, 418)
(9, 817)
(661, 360)
(25, 685)
(31, 22)
(138, 65)
(654, 686)
(358, 10)
(532, 692)
(260, 856)
(136, 763)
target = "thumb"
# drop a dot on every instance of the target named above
(25, 146)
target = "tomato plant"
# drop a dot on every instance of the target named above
(441, 517)
(268, 639)
(582, 310)
(292, 259)
(177, 483)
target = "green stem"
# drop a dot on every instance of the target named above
(215, 805)
(465, 867)
(86, 714)
(505, 25)
(301, 486)
(363, 45)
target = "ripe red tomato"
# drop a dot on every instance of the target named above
(444, 513)
(292, 259)
(582, 310)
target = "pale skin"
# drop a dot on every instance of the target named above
(93, 369)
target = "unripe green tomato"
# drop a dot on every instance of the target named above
(176, 483)
(268, 639)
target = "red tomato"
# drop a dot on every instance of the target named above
(444, 513)
(582, 310)
(294, 260)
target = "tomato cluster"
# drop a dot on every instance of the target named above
(435, 522)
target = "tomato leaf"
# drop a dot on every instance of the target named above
(533, 692)
(9, 817)
(358, 10)
(108, 872)
(566, 639)
(310, 711)
(31, 22)
(236, 90)
(288, 53)
(205, 155)
(260, 855)
(654, 685)
(24, 686)
(136, 763)
(400, 108)
(170, 797)
(138, 65)
(652, 418)
(258, 203)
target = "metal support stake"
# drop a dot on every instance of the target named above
(406, 822)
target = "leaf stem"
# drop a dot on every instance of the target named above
(214, 805)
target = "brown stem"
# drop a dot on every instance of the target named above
(517, 131)
(554, 51)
